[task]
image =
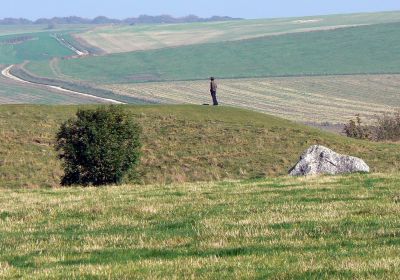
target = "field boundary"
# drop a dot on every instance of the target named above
(19, 73)
(7, 73)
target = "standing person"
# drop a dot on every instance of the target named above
(213, 91)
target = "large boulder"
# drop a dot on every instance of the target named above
(321, 160)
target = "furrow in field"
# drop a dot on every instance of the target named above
(318, 99)
(306, 97)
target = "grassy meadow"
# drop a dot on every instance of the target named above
(16, 93)
(125, 38)
(40, 28)
(321, 99)
(40, 47)
(183, 143)
(212, 199)
(284, 228)
(355, 50)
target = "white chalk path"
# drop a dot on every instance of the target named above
(69, 46)
(6, 73)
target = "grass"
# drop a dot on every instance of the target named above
(39, 28)
(42, 47)
(13, 94)
(87, 88)
(346, 51)
(16, 93)
(181, 144)
(123, 38)
(284, 228)
(333, 99)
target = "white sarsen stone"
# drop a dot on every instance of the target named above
(321, 160)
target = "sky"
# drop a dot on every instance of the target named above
(34, 9)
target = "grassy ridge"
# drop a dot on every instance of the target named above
(352, 50)
(316, 228)
(181, 144)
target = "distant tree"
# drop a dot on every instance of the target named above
(98, 147)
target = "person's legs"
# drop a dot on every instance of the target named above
(214, 97)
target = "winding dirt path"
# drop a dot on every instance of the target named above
(6, 73)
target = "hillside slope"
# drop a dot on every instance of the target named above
(32, 46)
(357, 50)
(181, 143)
(314, 228)
(124, 38)
(319, 99)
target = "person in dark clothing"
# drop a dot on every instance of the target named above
(213, 91)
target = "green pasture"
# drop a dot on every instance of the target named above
(39, 28)
(367, 49)
(125, 38)
(302, 228)
(11, 93)
(41, 47)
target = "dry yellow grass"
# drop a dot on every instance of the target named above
(333, 99)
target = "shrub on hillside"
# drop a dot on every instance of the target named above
(385, 128)
(355, 129)
(98, 147)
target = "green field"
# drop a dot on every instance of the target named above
(15, 93)
(39, 28)
(124, 38)
(211, 198)
(181, 144)
(313, 228)
(41, 46)
(346, 51)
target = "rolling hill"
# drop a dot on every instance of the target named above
(32, 46)
(124, 38)
(355, 50)
(331, 75)
(181, 144)
(317, 100)
(211, 199)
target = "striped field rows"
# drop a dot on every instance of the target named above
(333, 99)
(124, 38)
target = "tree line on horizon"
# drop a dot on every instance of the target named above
(142, 19)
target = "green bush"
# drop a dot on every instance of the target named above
(98, 147)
